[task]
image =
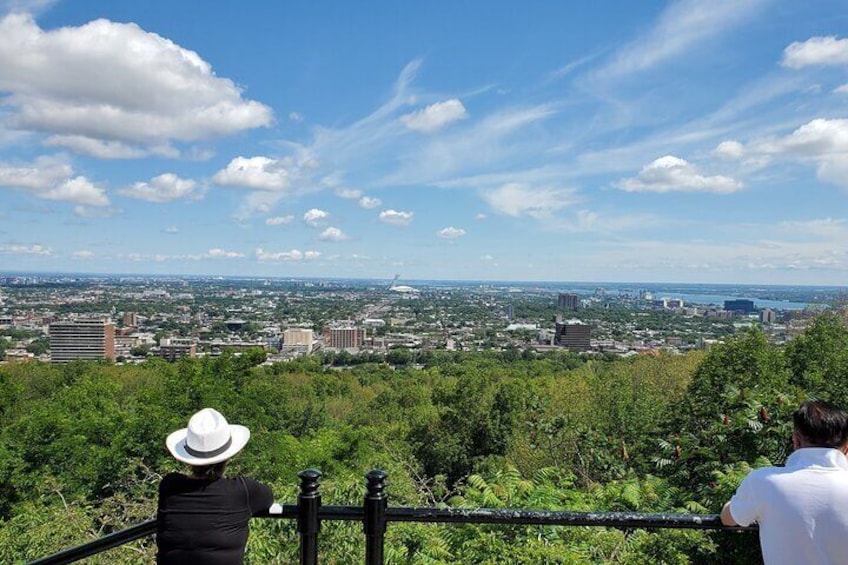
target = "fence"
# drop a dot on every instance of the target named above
(375, 514)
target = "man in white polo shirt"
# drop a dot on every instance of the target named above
(802, 508)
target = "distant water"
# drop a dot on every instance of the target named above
(718, 300)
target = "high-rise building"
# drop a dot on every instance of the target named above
(82, 339)
(346, 337)
(298, 339)
(768, 316)
(741, 305)
(173, 348)
(573, 334)
(568, 301)
(130, 319)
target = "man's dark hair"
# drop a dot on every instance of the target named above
(821, 424)
(210, 472)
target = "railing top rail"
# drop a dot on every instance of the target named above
(503, 516)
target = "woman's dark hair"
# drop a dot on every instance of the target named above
(821, 424)
(210, 472)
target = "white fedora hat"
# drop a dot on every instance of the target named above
(207, 440)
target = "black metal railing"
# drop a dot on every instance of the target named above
(375, 514)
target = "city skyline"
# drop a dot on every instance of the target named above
(686, 141)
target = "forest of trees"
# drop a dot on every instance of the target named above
(82, 445)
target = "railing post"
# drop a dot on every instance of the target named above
(308, 504)
(376, 501)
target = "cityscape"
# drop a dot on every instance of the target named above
(61, 318)
(423, 283)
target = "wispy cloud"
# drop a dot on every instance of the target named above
(681, 26)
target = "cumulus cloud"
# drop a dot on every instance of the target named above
(293, 255)
(82, 254)
(821, 142)
(451, 233)
(672, 174)
(435, 116)
(396, 218)
(369, 203)
(315, 218)
(39, 250)
(164, 188)
(114, 90)
(333, 234)
(218, 253)
(50, 179)
(517, 199)
(279, 220)
(257, 173)
(102, 149)
(348, 193)
(729, 150)
(816, 51)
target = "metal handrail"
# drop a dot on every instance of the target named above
(375, 515)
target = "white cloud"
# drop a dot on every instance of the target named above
(517, 199)
(396, 218)
(26, 250)
(480, 216)
(97, 147)
(114, 90)
(729, 150)
(171, 229)
(295, 116)
(333, 234)
(451, 233)
(279, 220)
(672, 174)
(435, 116)
(315, 218)
(79, 190)
(682, 25)
(163, 188)
(816, 51)
(348, 193)
(257, 173)
(218, 253)
(369, 203)
(82, 254)
(822, 227)
(821, 141)
(841, 89)
(99, 212)
(293, 255)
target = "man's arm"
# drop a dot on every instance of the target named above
(726, 516)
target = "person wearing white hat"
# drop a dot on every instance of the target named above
(203, 516)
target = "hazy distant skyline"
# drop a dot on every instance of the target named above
(688, 141)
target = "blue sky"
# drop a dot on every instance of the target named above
(688, 141)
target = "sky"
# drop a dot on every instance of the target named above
(684, 141)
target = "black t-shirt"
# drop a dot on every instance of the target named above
(205, 521)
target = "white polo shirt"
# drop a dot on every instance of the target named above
(802, 508)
